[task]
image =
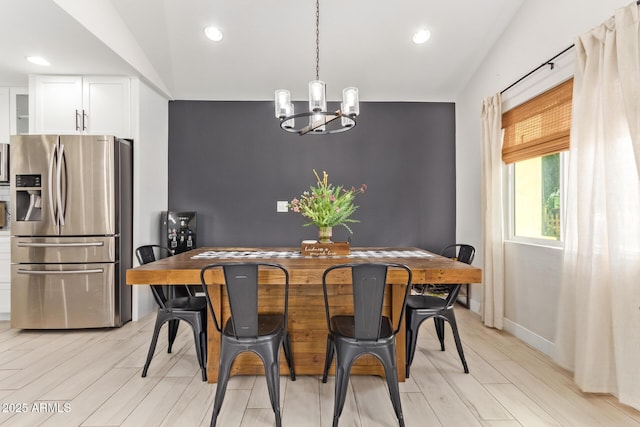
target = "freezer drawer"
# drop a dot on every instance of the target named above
(63, 249)
(63, 296)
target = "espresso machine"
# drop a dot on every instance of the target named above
(178, 231)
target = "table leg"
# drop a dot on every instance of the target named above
(397, 298)
(213, 336)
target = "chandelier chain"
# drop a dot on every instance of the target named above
(318, 120)
(317, 39)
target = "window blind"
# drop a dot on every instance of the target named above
(538, 127)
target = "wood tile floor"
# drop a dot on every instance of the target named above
(92, 378)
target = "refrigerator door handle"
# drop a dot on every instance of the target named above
(47, 272)
(61, 206)
(59, 245)
(51, 204)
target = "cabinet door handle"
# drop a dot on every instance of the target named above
(77, 125)
(84, 122)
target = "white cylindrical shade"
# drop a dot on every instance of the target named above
(291, 123)
(283, 102)
(315, 120)
(345, 120)
(350, 101)
(317, 96)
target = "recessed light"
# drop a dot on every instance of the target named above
(38, 60)
(213, 33)
(421, 36)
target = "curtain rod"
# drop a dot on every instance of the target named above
(544, 64)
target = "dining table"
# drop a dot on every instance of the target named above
(307, 319)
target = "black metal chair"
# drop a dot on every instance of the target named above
(249, 330)
(423, 307)
(366, 331)
(176, 303)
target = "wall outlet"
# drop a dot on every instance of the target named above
(281, 206)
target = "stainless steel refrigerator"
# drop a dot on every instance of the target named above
(71, 231)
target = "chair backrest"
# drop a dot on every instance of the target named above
(241, 280)
(368, 282)
(459, 252)
(150, 253)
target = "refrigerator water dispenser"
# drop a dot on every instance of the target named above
(28, 198)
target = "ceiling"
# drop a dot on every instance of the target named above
(268, 44)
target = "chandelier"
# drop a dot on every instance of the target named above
(320, 121)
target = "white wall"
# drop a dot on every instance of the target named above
(150, 183)
(539, 30)
(103, 21)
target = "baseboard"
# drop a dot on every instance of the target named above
(474, 306)
(534, 340)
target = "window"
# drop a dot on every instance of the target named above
(535, 135)
(536, 197)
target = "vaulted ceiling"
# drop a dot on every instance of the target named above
(267, 44)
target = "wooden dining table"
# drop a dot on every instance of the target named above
(307, 320)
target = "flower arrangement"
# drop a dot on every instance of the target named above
(326, 205)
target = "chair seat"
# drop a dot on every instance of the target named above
(268, 324)
(345, 327)
(187, 303)
(425, 302)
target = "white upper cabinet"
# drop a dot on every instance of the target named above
(19, 110)
(107, 105)
(57, 104)
(5, 124)
(75, 104)
(14, 115)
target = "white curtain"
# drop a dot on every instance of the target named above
(492, 214)
(598, 335)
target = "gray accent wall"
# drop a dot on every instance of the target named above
(230, 162)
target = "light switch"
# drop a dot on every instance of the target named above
(281, 206)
